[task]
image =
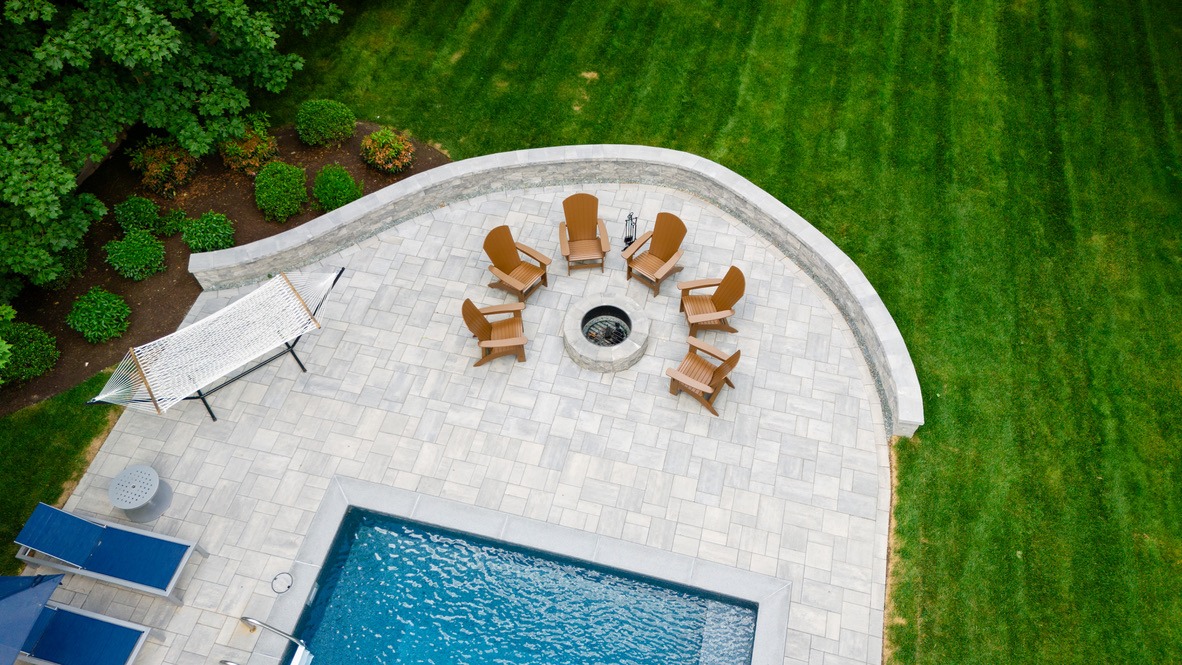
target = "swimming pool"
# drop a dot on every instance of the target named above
(395, 591)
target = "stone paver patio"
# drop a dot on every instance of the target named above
(791, 481)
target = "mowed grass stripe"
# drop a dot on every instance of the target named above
(752, 137)
(1113, 125)
(1007, 175)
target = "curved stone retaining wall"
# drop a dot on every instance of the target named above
(879, 337)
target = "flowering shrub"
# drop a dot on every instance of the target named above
(165, 165)
(387, 150)
(249, 153)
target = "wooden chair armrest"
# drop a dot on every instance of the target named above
(686, 381)
(503, 309)
(605, 243)
(706, 348)
(506, 278)
(645, 237)
(534, 254)
(501, 343)
(563, 240)
(710, 316)
(669, 265)
(698, 284)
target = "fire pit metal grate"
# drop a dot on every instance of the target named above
(606, 326)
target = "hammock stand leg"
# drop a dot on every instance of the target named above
(288, 348)
(201, 396)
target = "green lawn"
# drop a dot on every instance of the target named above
(1009, 178)
(42, 448)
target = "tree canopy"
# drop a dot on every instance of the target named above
(73, 75)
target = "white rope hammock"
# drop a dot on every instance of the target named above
(157, 375)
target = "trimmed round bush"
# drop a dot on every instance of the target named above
(138, 213)
(173, 222)
(209, 232)
(33, 353)
(165, 165)
(279, 191)
(256, 147)
(99, 315)
(323, 121)
(334, 187)
(387, 150)
(138, 256)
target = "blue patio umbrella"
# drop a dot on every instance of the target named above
(21, 602)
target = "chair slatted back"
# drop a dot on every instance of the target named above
(582, 211)
(501, 249)
(722, 370)
(730, 289)
(476, 321)
(668, 232)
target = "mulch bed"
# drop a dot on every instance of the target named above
(159, 303)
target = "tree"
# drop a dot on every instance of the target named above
(75, 74)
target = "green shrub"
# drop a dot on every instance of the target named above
(99, 315)
(334, 187)
(73, 262)
(173, 222)
(6, 314)
(249, 153)
(387, 150)
(165, 165)
(137, 256)
(209, 232)
(322, 121)
(138, 213)
(279, 191)
(33, 351)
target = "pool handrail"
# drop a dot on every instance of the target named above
(302, 655)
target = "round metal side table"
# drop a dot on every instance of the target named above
(139, 492)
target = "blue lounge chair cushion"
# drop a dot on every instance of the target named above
(108, 550)
(62, 637)
(60, 534)
(136, 557)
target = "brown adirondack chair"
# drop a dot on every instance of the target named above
(710, 312)
(660, 259)
(582, 238)
(514, 275)
(504, 337)
(699, 377)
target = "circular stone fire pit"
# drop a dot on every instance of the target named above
(605, 333)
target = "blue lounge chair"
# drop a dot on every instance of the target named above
(139, 560)
(70, 636)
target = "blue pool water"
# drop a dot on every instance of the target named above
(393, 591)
